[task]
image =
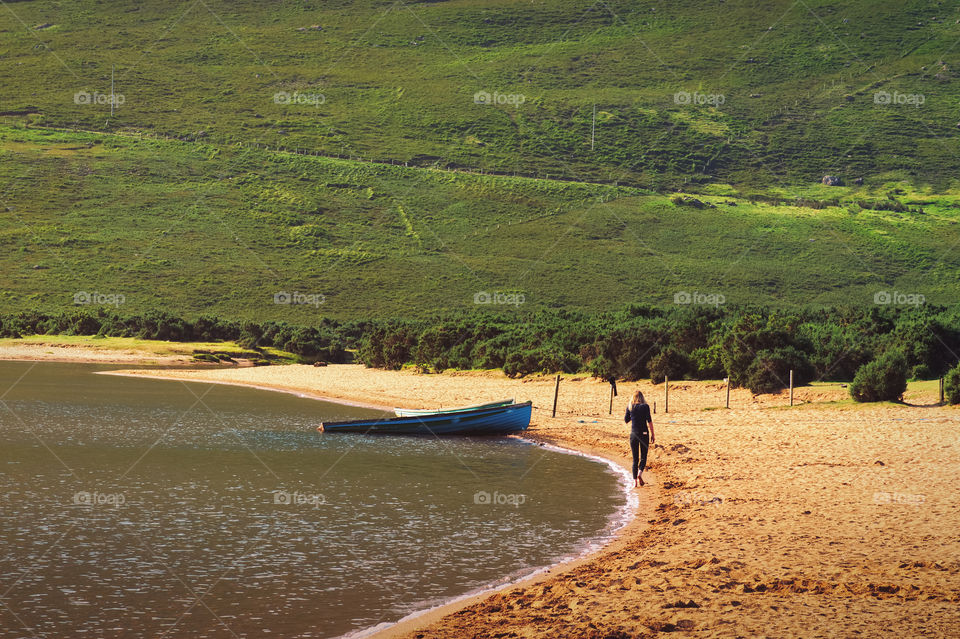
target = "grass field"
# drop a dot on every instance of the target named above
(181, 201)
(197, 228)
(765, 94)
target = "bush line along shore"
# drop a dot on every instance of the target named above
(878, 348)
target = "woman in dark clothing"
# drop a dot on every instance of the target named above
(638, 412)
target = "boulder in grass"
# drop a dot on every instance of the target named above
(831, 180)
(686, 200)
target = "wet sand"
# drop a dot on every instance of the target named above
(817, 520)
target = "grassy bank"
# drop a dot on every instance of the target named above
(144, 348)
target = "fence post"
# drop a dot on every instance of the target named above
(666, 394)
(556, 391)
(941, 391)
(611, 399)
(727, 380)
(791, 387)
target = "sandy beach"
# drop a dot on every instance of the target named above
(818, 520)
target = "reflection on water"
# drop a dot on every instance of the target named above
(135, 508)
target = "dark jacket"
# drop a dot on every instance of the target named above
(640, 414)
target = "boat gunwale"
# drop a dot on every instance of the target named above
(418, 412)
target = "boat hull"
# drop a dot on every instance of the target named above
(488, 421)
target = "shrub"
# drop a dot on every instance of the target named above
(623, 353)
(921, 372)
(7, 329)
(388, 346)
(883, 379)
(750, 335)
(491, 353)
(770, 370)
(670, 362)
(250, 336)
(557, 361)
(706, 363)
(951, 385)
(521, 363)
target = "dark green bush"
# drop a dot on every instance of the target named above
(521, 363)
(883, 379)
(921, 372)
(951, 385)
(623, 353)
(389, 346)
(627, 343)
(670, 362)
(770, 370)
(707, 363)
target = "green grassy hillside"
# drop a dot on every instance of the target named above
(197, 228)
(686, 91)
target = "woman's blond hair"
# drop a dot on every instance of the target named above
(638, 399)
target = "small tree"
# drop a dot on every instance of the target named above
(670, 362)
(883, 379)
(951, 385)
(769, 372)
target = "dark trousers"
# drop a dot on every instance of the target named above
(638, 446)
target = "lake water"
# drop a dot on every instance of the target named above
(146, 508)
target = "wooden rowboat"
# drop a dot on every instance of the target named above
(415, 412)
(498, 420)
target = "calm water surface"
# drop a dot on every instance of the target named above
(145, 508)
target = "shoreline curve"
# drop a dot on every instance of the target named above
(627, 516)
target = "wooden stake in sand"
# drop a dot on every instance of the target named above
(791, 387)
(727, 381)
(666, 394)
(556, 391)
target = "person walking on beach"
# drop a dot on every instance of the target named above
(638, 412)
